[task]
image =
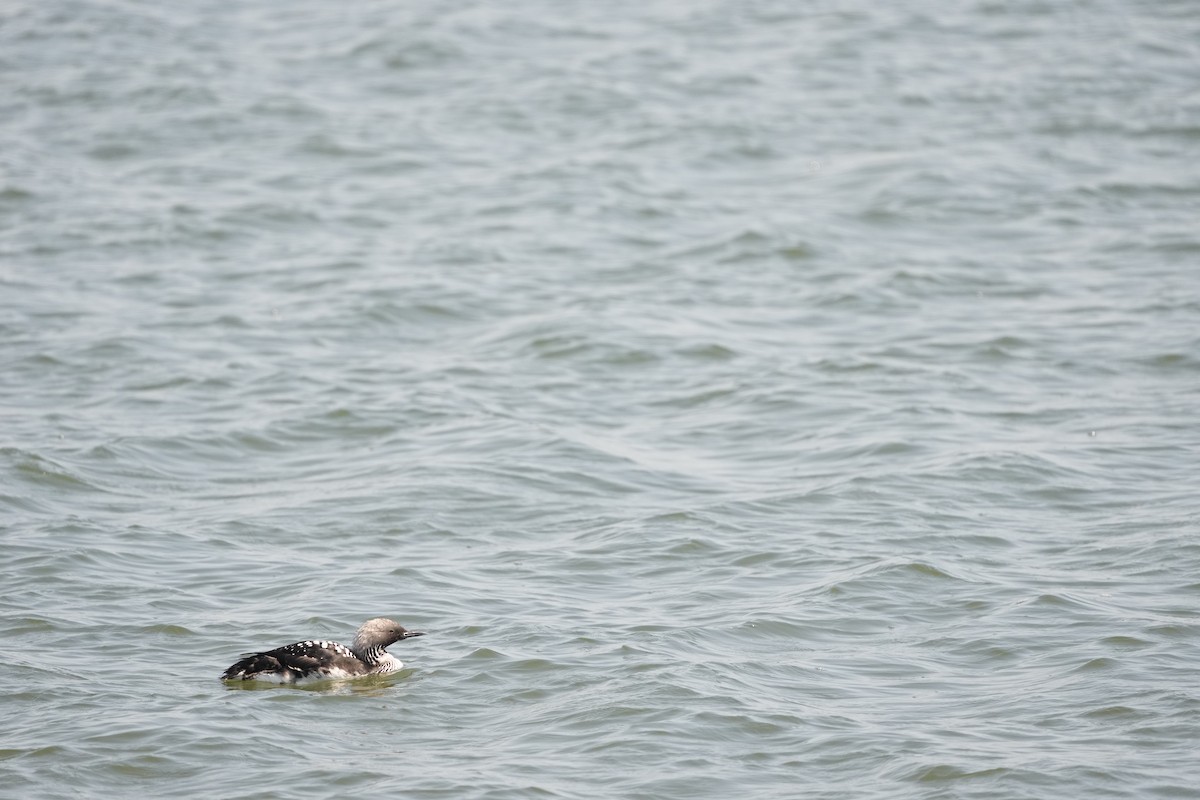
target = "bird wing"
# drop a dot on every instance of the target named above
(300, 658)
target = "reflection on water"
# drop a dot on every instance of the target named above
(370, 686)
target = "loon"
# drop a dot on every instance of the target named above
(314, 660)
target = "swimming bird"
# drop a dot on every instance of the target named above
(314, 660)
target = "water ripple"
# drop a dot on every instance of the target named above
(748, 399)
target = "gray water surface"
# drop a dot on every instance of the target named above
(750, 399)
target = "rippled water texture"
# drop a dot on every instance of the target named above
(751, 399)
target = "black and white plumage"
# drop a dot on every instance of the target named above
(315, 660)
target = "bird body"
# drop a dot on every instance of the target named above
(315, 660)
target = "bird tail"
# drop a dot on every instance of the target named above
(251, 664)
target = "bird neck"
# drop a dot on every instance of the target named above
(370, 655)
